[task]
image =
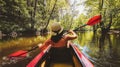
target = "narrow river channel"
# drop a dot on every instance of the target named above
(101, 50)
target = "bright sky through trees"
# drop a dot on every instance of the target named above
(80, 5)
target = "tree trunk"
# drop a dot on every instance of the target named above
(51, 14)
(34, 14)
(35, 7)
(110, 22)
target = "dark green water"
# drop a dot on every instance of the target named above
(102, 50)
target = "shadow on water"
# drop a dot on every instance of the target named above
(103, 49)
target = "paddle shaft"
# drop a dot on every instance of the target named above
(24, 52)
(92, 21)
(80, 27)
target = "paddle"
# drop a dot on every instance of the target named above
(94, 20)
(22, 53)
(39, 56)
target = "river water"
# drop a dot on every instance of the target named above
(101, 50)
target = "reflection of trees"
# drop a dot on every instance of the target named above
(106, 56)
(101, 43)
(104, 46)
(108, 51)
(105, 49)
(115, 54)
(102, 58)
(81, 38)
(94, 38)
(110, 45)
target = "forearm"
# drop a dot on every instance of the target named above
(44, 45)
(73, 33)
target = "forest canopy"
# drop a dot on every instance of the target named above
(21, 15)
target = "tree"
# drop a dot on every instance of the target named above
(107, 8)
(13, 13)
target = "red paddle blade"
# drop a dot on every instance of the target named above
(20, 53)
(94, 20)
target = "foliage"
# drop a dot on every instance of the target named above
(81, 20)
(69, 14)
(13, 13)
(109, 10)
(19, 15)
(27, 14)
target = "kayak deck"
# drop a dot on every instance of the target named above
(65, 63)
(69, 57)
(57, 65)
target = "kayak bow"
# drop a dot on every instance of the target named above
(78, 59)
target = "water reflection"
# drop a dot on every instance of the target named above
(102, 50)
(15, 34)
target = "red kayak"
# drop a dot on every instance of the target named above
(70, 57)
